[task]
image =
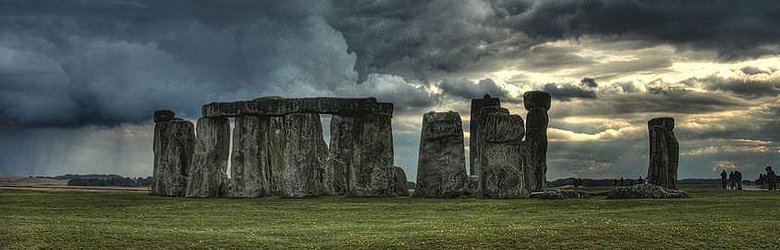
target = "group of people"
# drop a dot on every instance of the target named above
(769, 179)
(733, 180)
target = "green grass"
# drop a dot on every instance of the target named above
(710, 219)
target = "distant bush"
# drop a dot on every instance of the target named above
(105, 180)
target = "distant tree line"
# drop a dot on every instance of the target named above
(611, 182)
(104, 180)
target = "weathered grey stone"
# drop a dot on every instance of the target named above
(664, 153)
(164, 115)
(441, 168)
(250, 157)
(645, 191)
(536, 150)
(342, 143)
(208, 171)
(476, 113)
(276, 106)
(501, 158)
(306, 154)
(400, 182)
(536, 99)
(472, 187)
(371, 173)
(475, 151)
(276, 141)
(173, 148)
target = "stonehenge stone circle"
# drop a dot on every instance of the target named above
(250, 157)
(371, 174)
(501, 158)
(306, 171)
(476, 113)
(208, 171)
(174, 141)
(537, 103)
(664, 153)
(441, 168)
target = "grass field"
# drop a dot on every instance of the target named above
(710, 219)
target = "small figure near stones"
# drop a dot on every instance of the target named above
(723, 179)
(731, 180)
(771, 178)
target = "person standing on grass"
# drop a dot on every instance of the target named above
(771, 178)
(723, 179)
(731, 180)
(738, 179)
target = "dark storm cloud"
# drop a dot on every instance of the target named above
(750, 70)
(70, 63)
(466, 89)
(589, 82)
(427, 38)
(744, 88)
(567, 91)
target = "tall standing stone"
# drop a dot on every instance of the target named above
(250, 157)
(476, 114)
(276, 141)
(537, 103)
(501, 158)
(664, 153)
(371, 171)
(173, 148)
(306, 155)
(208, 171)
(342, 143)
(441, 168)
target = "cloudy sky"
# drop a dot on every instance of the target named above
(80, 79)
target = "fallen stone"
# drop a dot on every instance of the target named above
(250, 164)
(208, 171)
(173, 147)
(536, 99)
(559, 194)
(371, 173)
(472, 187)
(501, 158)
(664, 153)
(306, 156)
(536, 150)
(476, 113)
(400, 182)
(441, 168)
(645, 191)
(276, 106)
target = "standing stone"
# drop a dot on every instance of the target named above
(501, 158)
(476, 114)
(208, 171)
(537, 103)
(174, 141)
(400, 182)
(250, 157)
(342, 129)
(664, 153)
(441, 168)
(306, 155)
(371, 173)
(276, 141)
